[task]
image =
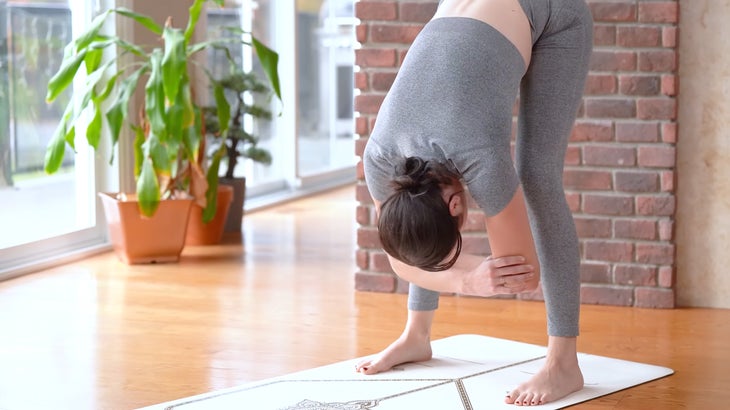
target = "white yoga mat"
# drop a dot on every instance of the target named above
(467, 372)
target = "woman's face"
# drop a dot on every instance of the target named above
(455, 197)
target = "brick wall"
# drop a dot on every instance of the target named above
(620, 165)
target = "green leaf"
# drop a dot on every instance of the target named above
(148, 189)
(269, 62)
(56, 148)
(89, 35)
(138, 150)
(141, 19)
(211, 195)
(93, 59)
(155, 96)
(116, 114)
(64, 76)
(220, 3)
(174, 62)
(93, 131)
(224, 109)
(194, 13)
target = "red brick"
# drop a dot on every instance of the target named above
(669, 37)
(635, 229)
(382, 81)
(658, 61)
(655, 253)
(595, 130)
(386, 33)
(609, 156)
(659, 12)
(401, 286)
(361, 126)
(610, 108)
(613, 11)
(669, 132)
(588, 227)
(669, 84)
(379, 262)
(376, 10)
(604, 60)
(604, 35)
(656, 108)
(361, 33)
(608, 251)
(375, 57)
(608, 204)
(631, 181)
(361, 81)
(635, 275)
(417, 12)
(360, 171)
(657, 156)
(640, 84)
(595, 272)
(573, 200)
(654, 205)
(362, 215)
(666, 229)
(572, 155)
(604, 295)
(666, 276)
(361, 259)
(667, 181)
(362, 194)
(534, 295)
(634, 37)
(368, 238)
(654, 298)
(475, 244)
(598, 84)
(581, 179)
(360, 144)
(374, 282)
(368, 104)
(637, 131)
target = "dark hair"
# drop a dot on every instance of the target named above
(415, 225)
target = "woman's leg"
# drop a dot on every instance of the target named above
(550, 95)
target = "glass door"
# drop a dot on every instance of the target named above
(325, 36)
(40, 215)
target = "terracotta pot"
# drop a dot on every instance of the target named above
(139, 239)
(235, 214)
(200, 233)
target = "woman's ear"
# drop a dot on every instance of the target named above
(456, 205)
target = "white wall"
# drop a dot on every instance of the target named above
(703, 190)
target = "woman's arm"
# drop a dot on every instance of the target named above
(510, 234)
(512, 268)
(472, 275)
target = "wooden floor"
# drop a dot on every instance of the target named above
(98, 334)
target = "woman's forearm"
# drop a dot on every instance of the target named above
(448, 281)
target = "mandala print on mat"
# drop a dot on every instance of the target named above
(350, 405)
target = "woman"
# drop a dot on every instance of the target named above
(445, 127)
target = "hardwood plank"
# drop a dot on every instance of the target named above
(98, 334)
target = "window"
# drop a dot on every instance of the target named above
(40, 215)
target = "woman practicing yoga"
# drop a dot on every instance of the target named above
(444, 128)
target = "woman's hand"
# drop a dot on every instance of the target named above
(500, 276)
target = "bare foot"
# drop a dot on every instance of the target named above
(405, 349)
(551, 383)
(559, 377)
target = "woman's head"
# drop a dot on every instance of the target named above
(419, 224)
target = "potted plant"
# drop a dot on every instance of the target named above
(167, 141)
(237, 143)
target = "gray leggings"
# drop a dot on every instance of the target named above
(550, 94)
